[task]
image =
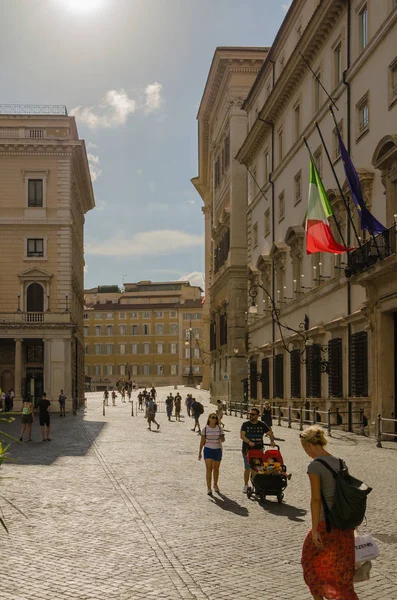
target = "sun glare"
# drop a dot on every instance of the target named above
(82, 6)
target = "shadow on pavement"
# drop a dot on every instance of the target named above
(230, 505)
(284, 510)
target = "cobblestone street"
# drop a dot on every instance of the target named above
(118, 512)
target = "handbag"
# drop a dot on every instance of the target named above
(366, 548)
(362, 571)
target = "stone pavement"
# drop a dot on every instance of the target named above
(117, 512)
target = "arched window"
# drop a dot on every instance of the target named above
(35, 298)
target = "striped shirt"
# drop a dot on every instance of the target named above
(212, 437)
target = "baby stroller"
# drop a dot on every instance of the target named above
(263, 484)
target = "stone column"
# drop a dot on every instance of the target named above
(18, 372)
(47, 368)
(67, 385)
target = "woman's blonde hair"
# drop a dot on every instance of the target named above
(314, 435)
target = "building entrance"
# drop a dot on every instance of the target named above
(34, 384)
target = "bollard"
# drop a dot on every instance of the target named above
(235, 409)
(279, 415)
(289, 417)
(314, 416)
(241, 409)
(362, 432)
(379, 433)
(132, 409)
(329, 422)
(301, 419)
(104, 409)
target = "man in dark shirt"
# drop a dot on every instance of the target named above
(44, 417)
(252, 433)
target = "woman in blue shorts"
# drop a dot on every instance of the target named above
(212, 437)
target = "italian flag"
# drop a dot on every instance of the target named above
(319, 236)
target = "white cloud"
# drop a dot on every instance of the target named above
(286, 6)
(100, 205)
(195, 278)
(153, 97)
(95, 166)
(190, 202)
(145, 243)
(91, 145)
(116, 107)
(85, 268)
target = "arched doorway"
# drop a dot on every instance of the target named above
(35, 298)
(7, 381)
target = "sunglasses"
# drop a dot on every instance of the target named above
(213, 417)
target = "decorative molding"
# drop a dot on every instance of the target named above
(68, 222)
(28, 171)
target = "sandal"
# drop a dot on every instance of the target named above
(216, 489)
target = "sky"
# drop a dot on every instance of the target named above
(132, 72)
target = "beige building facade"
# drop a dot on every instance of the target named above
(150, 333)
(45, 192)
(347, 308)
(222, 183)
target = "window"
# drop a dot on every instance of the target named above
(109, 330)
(134, 329)
(266, 166)
(122, 315)
(265, 379)
(146, 330)
(108, 369)
(295, 370)
(98, 316)
(86, 349)
(135, 369)
(393, 82)
(281, 207)
(196, 369)
(159, 329)
(196, 352)
(133, 315)
(280, 145)
(317, 92)
(338, 66)
(173, 314)
(252, 184)
(297, 121)
(173, 369)
(122, 348)
(98, 330)
(146, 349)
(362, 116)
(359, 364)
(226, 151)
(278, 376)
(196, 332)
(35, 192)
(363, 27)
(146, 369)
(173, 329)
(187, 352)
(122, 329)
(109, 349)
(173, 348)
(217, 174)
(313, 371)
(134, 348)
(146, 315)
(255, 235)
(97, 349)
(159, 315)
(86, 316)
(86, 331)
(98, 370)
(335, 139)
(159, 348)
(121, 369)
(86, 370)
(318, 160)
(159, 369)
(35, 247)
(298, 187)
(267, 222)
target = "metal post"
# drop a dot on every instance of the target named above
(132, 409)
(314, 416)
(235, 408)
(349, 417)
(289, 417)
(301, 419)
(241, 409)
(362, 421)
(329, 422)
(103, 407)
(279, 415)
(379, 433)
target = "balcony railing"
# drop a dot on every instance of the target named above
(19, 318)
(378, 248)
(33, 109)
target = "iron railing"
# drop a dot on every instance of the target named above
(33, 109)
(377, 248)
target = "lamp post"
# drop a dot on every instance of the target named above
(190, 377)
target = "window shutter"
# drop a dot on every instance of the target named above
(265, 378)
(278, 376)
(253, 379)
(313, 371)
(295, 364)
(335, 372)
(359, 364)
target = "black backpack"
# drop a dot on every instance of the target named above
(199, 408)
(350, 502)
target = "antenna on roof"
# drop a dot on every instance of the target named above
(123, 276)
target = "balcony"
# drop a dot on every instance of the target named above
(37, 318)
(376, 250)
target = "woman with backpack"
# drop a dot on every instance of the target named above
(212, 437)
(328, 557)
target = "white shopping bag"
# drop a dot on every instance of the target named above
(366, 547)
(362, 571)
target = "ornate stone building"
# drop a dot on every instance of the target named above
(347, 307)
(46, 190)
(222, 185)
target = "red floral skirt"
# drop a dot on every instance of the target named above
(329, 571)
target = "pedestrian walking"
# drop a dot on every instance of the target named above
(11, 396)
(140, 401)
(212, 437)
(106, 397)
(27, 418)
(151, 411)
(44, 418)
(169, 405)
(153, 393)
(188, 403)
(178, 406)
(114, 396)
(197, 409)
(267, 414)
(123, 394)
(62, 404)
(219, 412)
(252, 433)
(328, 558)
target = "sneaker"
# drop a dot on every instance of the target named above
(209, 492)
(21, 439)
(158, 425)
(245, 489)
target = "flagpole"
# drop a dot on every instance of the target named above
(318, 80)
(335, 219)
(370, 233)
(255, 181)
(338, 184)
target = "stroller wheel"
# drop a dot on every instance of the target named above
(280, 498)
(249, 492)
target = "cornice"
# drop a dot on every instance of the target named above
(39, 150)
(36, 222)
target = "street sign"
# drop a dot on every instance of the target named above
(225, 376)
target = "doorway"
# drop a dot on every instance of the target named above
(34, 384)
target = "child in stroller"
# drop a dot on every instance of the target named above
(268, 474)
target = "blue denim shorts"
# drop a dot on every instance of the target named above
(245, 459)
(214, 453)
